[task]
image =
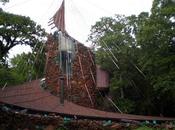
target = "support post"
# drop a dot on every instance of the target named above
(61, 77)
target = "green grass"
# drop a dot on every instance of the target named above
(148, 128)
(144, 128)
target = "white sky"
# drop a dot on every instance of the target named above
(80, 14)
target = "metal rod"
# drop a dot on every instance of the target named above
(92, 76)
(114, 104)
(62, 89)
(84, 79)
(4, 86)
(91, 57)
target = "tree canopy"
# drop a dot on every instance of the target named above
(139, 54)
(137, 51)
(4, 1)
(18, 30)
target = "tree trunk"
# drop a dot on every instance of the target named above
(121, 93)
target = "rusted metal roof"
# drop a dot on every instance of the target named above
(32, 96)
(102, 78)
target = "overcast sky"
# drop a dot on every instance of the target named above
(80, 14)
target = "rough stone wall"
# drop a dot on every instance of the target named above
(52, 69)
(82, 84)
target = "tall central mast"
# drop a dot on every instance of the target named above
(67, 47)
(59, 18)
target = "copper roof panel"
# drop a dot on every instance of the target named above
(31, 96)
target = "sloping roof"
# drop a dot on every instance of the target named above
(32, 96)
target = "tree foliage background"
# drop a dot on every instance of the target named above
(137, 51)
(139, 54)
(20, 30)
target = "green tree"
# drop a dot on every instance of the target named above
(4, 2)
(9, 77)
(31, 65)
(24, 67)
(139, 53)
(158, 54)
(117, 53)
(18, 30)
